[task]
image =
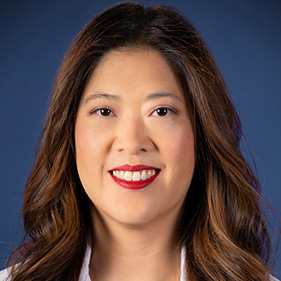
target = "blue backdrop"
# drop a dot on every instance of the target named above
(244, 37)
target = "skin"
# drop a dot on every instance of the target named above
(118, 122)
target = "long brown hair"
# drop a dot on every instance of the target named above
(222, 226)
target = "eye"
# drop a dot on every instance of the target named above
(104, 112)
(163, 111)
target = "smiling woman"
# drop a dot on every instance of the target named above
(144, 128)
(139, 174)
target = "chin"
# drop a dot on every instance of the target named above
(133, 219)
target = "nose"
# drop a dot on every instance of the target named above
(132, 137)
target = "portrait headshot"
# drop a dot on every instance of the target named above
(140, 140)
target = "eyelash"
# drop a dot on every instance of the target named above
(167, 109)
(110, 112)
(99, 111)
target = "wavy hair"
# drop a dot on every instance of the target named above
(221, 226)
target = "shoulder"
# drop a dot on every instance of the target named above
(4, 274)
(273, 279)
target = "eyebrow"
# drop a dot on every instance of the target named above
(148, 98)
(163, 95)
(101, 96)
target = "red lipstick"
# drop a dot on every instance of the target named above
(134, 185)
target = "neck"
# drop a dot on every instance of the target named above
(126, 252)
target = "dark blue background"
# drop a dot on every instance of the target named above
(244, 37)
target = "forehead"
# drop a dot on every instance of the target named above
(142, 59)
(133, 69)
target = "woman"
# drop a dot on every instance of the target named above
(139, 174)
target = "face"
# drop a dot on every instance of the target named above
(134, 139)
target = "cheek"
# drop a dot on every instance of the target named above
(89, 150)
(180, 149)
(90, 157)
(84, 144)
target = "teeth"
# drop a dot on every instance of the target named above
(143, 175)
(128, 176)
(121, 175)
(134, 176)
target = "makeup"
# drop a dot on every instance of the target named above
(134, 177)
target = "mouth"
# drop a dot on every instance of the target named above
(134, 177)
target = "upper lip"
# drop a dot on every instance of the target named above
(134, 168)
